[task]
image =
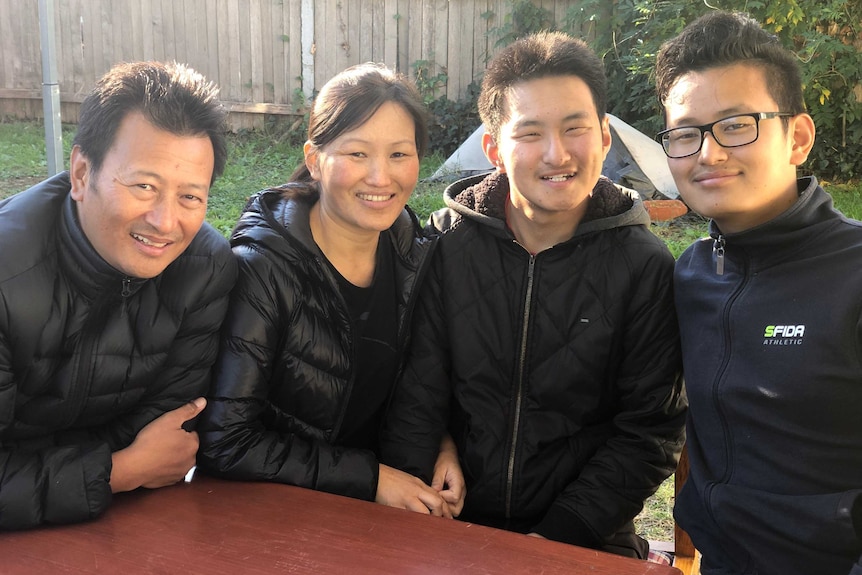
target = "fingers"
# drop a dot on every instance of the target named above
(399, 489)
(188, 412)
(194, 407)
(438, 481)
(455, 501)
(435, 504)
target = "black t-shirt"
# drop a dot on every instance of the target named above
(373, 311)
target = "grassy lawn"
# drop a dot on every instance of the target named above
(258, 161)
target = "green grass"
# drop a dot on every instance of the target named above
(22, 149)
(253, 164)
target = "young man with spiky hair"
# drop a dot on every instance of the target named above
(770, 311)
(545, 339)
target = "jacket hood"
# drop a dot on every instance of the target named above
(482, 198)
(270, 217)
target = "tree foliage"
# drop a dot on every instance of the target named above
(826, 36)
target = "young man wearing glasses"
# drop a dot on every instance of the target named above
(770, 310)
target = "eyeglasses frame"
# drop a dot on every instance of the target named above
(708, 128)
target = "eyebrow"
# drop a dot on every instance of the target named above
(356, 140)
(160, 179)
(688, 121)
(530, 122)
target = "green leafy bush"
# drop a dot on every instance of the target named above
(452, 121)
(826, 36)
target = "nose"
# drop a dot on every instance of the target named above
(378, 173)
(556, 153)
(710, 150)
(163, 216)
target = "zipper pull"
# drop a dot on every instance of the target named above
(126, 291)
(718, 251)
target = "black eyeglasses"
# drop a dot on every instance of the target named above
(730, 132)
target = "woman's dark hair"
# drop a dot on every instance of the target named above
(350, 98)
(171, 96)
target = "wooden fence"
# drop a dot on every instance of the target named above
(266, 55)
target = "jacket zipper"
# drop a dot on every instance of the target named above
(404, 337)
(125, 292)
(718, 252)
(718, 249)
(85, 363)
(522, 361)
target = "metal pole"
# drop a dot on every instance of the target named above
(308, 49)
(50, 89)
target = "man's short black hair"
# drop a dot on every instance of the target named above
(171, 96)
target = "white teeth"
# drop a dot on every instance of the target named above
(560, 178)
(372, 198)
(144, 240)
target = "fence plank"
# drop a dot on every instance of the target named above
(252, 48)
(293, 55)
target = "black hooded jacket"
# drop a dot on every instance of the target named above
(89, 356)
(558, 373)
(286, 368)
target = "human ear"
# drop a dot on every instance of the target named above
(312, 156)
(606, 136)
(802, 131)
(79, 173)
(492, 152)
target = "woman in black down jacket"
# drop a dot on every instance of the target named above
(319, 319)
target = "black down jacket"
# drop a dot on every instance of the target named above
(88, 356)
(285, 373)
(558, 373)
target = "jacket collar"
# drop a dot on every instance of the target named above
(803, 221)
(80, 262)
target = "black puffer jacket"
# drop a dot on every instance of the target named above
(286, 369)
(84, 367)
(559, 373)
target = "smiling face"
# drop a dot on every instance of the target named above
(367, 174)
(552, 147)
(745, 186)
(148, 200)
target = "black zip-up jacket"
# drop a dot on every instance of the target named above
(558, 374)
(772, 349)
(286, 368)
(88, 356)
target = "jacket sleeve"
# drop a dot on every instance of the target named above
(237, 441)
(648, 428)
(43, 481)
(418, 413)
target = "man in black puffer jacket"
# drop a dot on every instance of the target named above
(545, 338)
(112, 291)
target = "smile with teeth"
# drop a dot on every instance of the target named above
(558, 177)
(374, 197)
(147, 242)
